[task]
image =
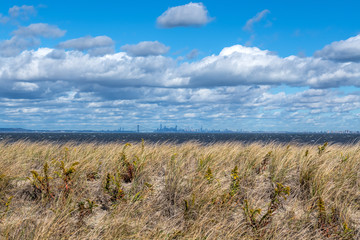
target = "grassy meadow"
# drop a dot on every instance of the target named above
(179, 191)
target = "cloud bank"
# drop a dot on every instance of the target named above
(233, 66)
(72, 85)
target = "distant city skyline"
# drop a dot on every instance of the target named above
(251, 66)
(166, 129)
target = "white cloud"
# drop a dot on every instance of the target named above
(345, 51)
(257, 18)
(16, 45)
(239, 65)
(77, 67)
(236, 84)
(95, 46)
(189, 115)
(40, 30)
(314, 100)
(191, 14)
(23, 11)
(146, 48)
(234, 66)
(237, 75)
(25, 86)
(27, 37)
(88, 42)
(239, 106)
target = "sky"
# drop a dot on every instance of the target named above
(238, 65)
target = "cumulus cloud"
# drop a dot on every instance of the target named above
(234, 66)
(146, 48)
(191, 14)
(257, 18)
(68, 87)
(27, 37)
(344, 51)
(116, 69)
(96, 46)
(239, 65)
(40, 30)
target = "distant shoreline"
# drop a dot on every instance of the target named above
(205, 138)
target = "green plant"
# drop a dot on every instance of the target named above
(129, 174)
(306, 152)
(251, 214)
(344, 158)
(123, 156)
(203, 161)
(322, 148)
(235, 181)
(66, 175)
(189, 205)
(113, 187)
(330, 224)
(85, 208)
(141, 194)
(209, 176)
(280, 191)
(41, 184)
(7, 207)
(346, 233)
(322, 219)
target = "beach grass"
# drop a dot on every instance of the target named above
(146, 190)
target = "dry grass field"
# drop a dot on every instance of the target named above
(179, 191)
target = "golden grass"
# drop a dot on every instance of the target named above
(179, 191)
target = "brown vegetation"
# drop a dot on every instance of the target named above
(179, 191)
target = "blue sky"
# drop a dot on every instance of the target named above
(259, 65)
